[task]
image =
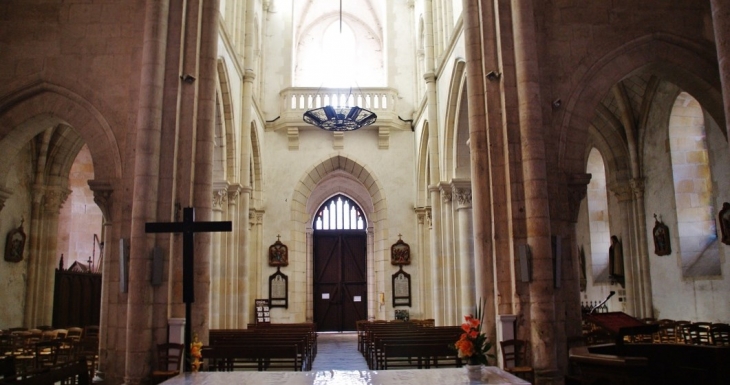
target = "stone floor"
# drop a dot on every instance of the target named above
(338, 351)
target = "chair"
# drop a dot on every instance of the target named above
(720, 334)
(169, 361)
(91, 331)
(75, 333)
(514, 357)
(89, 347)
(46, 354)
(668, 333)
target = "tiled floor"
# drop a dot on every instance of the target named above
(338, 351)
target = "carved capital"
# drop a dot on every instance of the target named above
(463, 196)
(622, 191)
(220, 196)
(103, 197)
(445, 192)
(637, 186)
(54, 198)
(234, 191)
(4, 195)
(420, 215)
(577, 189)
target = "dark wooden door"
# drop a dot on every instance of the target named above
(340, 279)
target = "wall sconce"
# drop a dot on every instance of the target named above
(187, 78)
(557, 103)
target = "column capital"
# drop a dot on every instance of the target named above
(103, 196)
(577, 189)
(54, 198)
(234, 190)
(430, 77)
(4, 195)
(446, 192)
(622, 190)
(220, 197)
(249, 76)
(637, 187)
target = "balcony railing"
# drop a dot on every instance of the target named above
(296, 101)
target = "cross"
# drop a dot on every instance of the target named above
(188, 227)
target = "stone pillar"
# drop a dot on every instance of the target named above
(228, 284)
(465, 249)
(721, 23)
(637, 187)
(479, 151)
(437, 282)
(103, 191)
(243, 274)
(148, 128)
(537, 205)
(634, 301)
(449, 268)
(218, 258)
(421, 237)
(577, 190)
(203, 175)
(47, 261)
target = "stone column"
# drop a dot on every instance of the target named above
(309, 316)
(47, 260)
(448, 262)
(148, 130)
(721, 23)
(421, 236)
(577, 190)
(218, 258)
(634, 301)
(34, 251)
(437, 282)
(465, 249)
(637, 187)
(537, 205)
(103, 191)
(228, 284)
(479, 153)
(243, 269)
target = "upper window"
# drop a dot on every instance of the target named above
(339, 213)
(329, 57)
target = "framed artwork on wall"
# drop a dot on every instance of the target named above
(15, 244)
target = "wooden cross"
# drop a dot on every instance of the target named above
(188, 227)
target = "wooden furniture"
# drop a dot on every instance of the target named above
(169, 361)
(514, 356)
(720, 334)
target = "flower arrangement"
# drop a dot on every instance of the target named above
(473, 344)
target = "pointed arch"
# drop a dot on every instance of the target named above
(227, 122)
(422, 169)
(454, 142)
(692, 66)
(331, 175)
(43, 105)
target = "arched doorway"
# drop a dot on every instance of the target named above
(340, 265)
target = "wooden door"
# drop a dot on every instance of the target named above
(340, 279)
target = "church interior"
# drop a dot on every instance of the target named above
(367, 160)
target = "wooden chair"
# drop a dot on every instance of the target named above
(75, 333)
(668, 333)
(720, 334)
(514, 356)
(169, 361)
(46, 354)
(91, 331)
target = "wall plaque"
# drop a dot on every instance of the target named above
(278, 253)
(263, 314)
(15, 244)
(401, 288)
(279, 289)
(400, 253)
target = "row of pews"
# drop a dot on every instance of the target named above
(262, 347)
(403, 344)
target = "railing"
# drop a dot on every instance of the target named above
(295, 101)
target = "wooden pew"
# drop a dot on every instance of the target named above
(260, 357)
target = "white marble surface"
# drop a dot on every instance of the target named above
(451, 376)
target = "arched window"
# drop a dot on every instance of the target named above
(598, 217)
(693, 188)
(339, 213)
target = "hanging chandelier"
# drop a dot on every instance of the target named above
(340, 118)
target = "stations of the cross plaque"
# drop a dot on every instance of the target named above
(188, 227)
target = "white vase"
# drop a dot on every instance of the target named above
(474, 372)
